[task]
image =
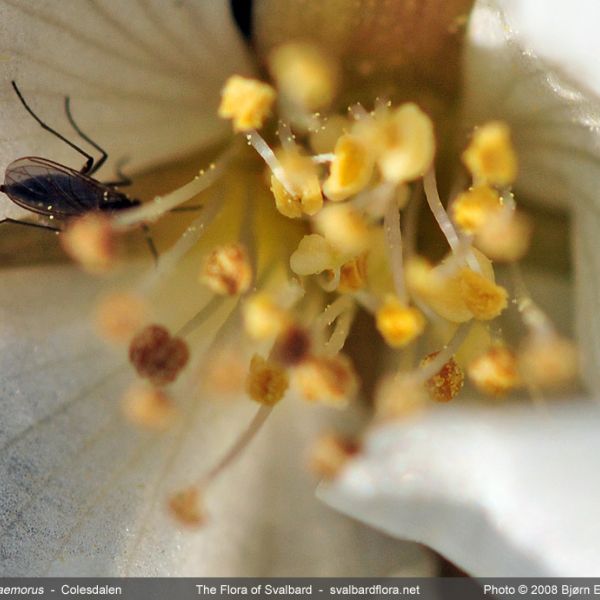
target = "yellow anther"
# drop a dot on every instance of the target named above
(327, 380)
(314, 255)
(90, 241)
(263, 318)
(351, 168)
(247, 102)
(304, 75)
(400, 398)
(495, 372)
(330, 454)
(443, 289)
(490, 156)
(120, 315)
(548, 361)
(186, 506)
(406, 144)
(473, 208)
(505, 237)
(227, 270)
(447, 382)
(344, 228)
(149, 408)
(399, 324)
(301, 176)
(353, 275)
(266, 382)
(484, 298)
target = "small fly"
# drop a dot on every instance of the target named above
(52, 190)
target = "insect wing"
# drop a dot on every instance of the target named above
(47, 188)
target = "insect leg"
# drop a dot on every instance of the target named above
(89, 159)
(123, 179)
(187, 208)
(29, 224)
(88, 169)
(150, 242)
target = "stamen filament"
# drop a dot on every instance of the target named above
(393, 236)
(533, 316)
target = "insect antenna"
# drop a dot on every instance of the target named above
(89, 159)
(28, 223)
(104, 156)
(150, 243)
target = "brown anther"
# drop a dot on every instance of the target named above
(91, 241)
(330, 454)
(157, 356)
(120, 315)
(353, 275)
(447, 382)
(227, 270)
(148, 407)
(327, 380)
(495, 372)
(292, 346)
(266, 382)
(186, 507)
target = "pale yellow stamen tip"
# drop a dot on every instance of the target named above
(406, 144)
(505, 237)
(313, 255)
(267, 382)
(495, 372)
(90, 240)
(327, 380)
(227, 270)
(344, 228)
(149, 408)
(490, 156)
(447, 382)
(263, 318)
(304, 75)
(473, 208)
(351, 168)
(120, 315)
(484, 298)
(247, 102)
(399, 324)
(330, 454)
(186, 507)
(301, 177)
(548, 361)
(400, 398)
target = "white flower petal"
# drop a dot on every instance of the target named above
(144, 77)
(556, 124)
(83, 493)
(499, 492)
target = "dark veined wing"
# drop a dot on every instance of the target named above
(48, 188)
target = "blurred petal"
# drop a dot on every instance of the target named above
(555, 122)
(83, 493)
(499, 492)
(144, 77)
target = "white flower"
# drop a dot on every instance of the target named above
(83, 492)
(512, 491)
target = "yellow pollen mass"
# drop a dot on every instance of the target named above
(344, 228)
(247, 102)
(351, 168)
(406, 144)
(495, 372)
(266, 382)
(263, 318)
(484, 298)
(399, 324)
(472, 208)
(304, 75)
(490, 156)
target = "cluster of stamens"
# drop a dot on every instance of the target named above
(345, 182)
